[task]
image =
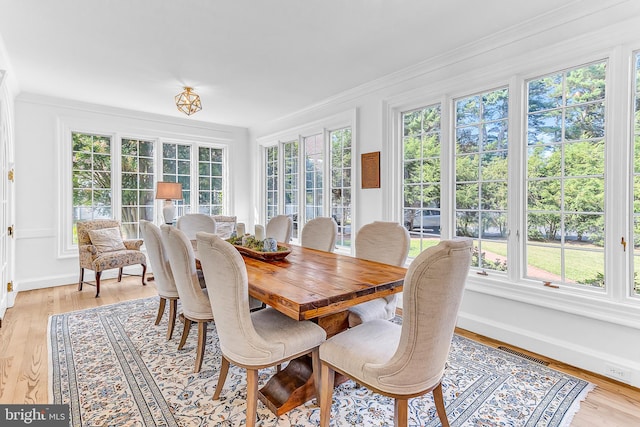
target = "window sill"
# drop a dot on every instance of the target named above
(595, 305)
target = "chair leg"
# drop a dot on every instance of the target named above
(315, 366)
(400, 412)
(163, 302)
(222, 376)
(326, 393)
(440, 409)
(120, 275)
(173, 309)
(202, 340)
(252, 397)
(81, 279)
(98, 273)
(144, 272)
(185, 333)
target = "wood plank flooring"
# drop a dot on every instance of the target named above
(24, 358)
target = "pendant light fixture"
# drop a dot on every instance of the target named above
(188, 102)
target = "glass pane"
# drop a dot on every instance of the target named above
(496, 105)
(584, 158)
(544, 263)
(585, 230)
(468, 110)
(494, 195)
(495, 136)
(586, 84)
(584, 267)
(467, 139)
(467, 196)
(544, 161)
(544, 227)
(467, 224)
(544, 195)
(545, 93)
(467, 168)
(544, 128)
(584, 122)
(584, 195)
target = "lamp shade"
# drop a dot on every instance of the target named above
(169, 191)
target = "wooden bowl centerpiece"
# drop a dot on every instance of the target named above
(255, 249)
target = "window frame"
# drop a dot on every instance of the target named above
(615, 304)
(324, 128)
(67, 126)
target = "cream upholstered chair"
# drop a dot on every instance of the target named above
(320, 233)
(162, 274)
(225, 225)
(190, 224)
(386, 242)
(194, 300)
(251, 340)
(280, 228)
(409, 360)
(101, 248)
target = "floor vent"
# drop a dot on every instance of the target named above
(524, 356)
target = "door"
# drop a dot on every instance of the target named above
(7, 295)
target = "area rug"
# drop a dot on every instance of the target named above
(114, 367)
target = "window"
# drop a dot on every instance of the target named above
(91, 178)
(137, 185)
(210, 181)
(271, 179)
(565, 176)
(176, 167)
(314, 172)
(113, 177)
(481, 177)
(291, 183)
(636, 180)
(341, 183)
(421, 176)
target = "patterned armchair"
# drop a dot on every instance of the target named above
(101, 248)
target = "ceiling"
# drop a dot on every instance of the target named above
(251, 61)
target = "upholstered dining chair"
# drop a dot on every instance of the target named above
(409, 360)
(193, 298)
(320, 233)
(251, 340)
(101, 248)
(280, 228)
(388, 243)
(162, 274)
(190, 224)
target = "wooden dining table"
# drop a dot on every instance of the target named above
(319, 286)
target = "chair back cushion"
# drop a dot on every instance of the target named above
(195, 303)
(84, 227)
(386, 242)
(433, 289)
(159, 260)
(280, 228)
(227, 282)
(107, 239)
(320, 233)
(190, 224)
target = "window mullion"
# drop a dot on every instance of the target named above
(517, 142)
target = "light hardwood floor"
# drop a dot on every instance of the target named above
(24, 358)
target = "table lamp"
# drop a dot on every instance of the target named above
(169, 191)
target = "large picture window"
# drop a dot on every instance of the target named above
(138, 175)
(421, 176)
(91, 178)
(565, 176)
(481, 176)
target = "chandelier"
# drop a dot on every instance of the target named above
(188, 102)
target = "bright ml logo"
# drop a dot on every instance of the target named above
(34, 415)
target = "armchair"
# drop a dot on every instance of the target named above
(101, 248)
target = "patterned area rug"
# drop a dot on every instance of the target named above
(114, 367)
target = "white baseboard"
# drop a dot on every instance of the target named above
(588, 359)
(69, 279)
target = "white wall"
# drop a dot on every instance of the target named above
(583, 333)
(38, 140)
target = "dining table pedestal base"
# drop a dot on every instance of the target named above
(290, 387)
